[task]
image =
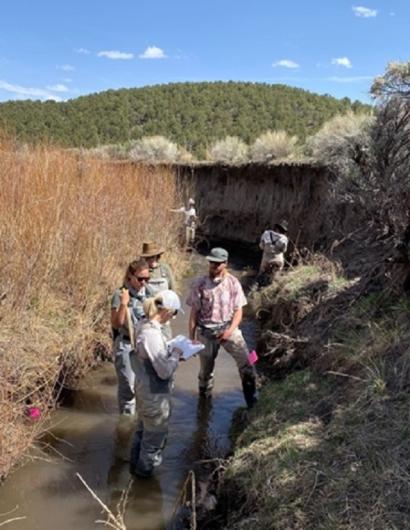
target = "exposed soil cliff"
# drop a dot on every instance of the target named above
(238, 203)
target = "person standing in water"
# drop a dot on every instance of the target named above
(216, 302)
(161, 277)
(126, 311)
(154, 365)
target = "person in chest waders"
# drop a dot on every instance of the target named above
(216, 302)
(161, 277)
(274, 244)
(154, 365)
(126, 311)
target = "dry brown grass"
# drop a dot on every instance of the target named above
(68, 227)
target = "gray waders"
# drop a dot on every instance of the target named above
(237, 348)
(153, 396)
(125, 375)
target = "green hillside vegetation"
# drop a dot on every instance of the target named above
(193, 115)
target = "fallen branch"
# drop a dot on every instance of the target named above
(115, 522)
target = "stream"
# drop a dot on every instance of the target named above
(87, 436)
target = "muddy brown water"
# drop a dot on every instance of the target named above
(89, 438)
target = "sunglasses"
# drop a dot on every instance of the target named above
(141, 278)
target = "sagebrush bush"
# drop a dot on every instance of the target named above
(272, 145)
(154, 149)
(230, 150)
(344, 143)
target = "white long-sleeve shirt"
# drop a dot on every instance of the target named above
(151, 344)
(189, 212)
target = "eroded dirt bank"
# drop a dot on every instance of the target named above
(238, 203)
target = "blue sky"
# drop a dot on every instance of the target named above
(62, 50)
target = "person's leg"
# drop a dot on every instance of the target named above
(187, 236)
(150, 440)
(207, 358)
(236, 346)
(126, 377)
(136, 444)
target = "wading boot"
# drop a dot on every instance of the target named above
(249, 390)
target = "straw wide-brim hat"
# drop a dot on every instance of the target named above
(151, 249)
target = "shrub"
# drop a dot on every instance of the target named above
(344, 143)
(230, 150)
(154, 149)
(271, 145)
(391, 141)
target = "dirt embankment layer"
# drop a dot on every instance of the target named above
(238, 203)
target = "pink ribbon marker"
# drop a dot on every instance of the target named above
(252, 357)
(34, 413)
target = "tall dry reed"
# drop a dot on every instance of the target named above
(68, 227)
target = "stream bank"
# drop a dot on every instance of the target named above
(327, 446)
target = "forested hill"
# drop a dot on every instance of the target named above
(190, 114)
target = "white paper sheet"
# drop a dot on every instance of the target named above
(186, 345)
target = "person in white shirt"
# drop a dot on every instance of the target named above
(274, 244)
(154, 364)
(190, 220)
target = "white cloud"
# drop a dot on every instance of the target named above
(59, 87)
(286, 63)
(353, 79)
(116, 55)
(66, 67)
(84, 51)
(364, 12)
(342, 61)
(153, 52)
(67, 80)
(28, 92)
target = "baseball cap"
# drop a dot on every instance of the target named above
(168, 299)
(218, 254)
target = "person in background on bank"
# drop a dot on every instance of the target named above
(190, 220)
(216, 302)
(154, 366)
(126, 311)
(274, 244)
(161, 277)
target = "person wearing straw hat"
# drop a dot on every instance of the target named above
(126, 312)
(216, 302)
(274, 244)
(154, 364)
(161, 277)
(190, 221)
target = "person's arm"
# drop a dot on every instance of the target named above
(177, 210)
(192, 323)
(262, 242)
(119, 313)
(236, 320)
(171, 279)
